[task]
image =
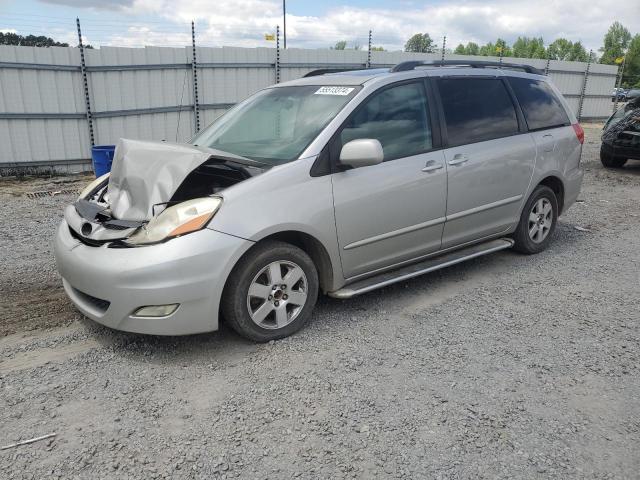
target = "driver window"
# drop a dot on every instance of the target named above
(397, 117)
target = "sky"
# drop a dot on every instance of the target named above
(315, 24)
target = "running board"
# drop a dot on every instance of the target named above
(417, 269)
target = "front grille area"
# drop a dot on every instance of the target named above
(91, 302)
(85, 240)
(114, 226)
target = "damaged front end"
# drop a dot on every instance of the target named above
(621, 134)
(155, 191)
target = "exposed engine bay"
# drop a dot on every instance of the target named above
(211, 177)
(148, 177)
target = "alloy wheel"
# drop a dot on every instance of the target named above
(540, 220)
(277, 295)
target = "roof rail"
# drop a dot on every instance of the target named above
(323, 71)
(412, 64)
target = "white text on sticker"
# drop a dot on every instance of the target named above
(334, 91)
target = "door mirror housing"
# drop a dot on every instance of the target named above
(362, 153)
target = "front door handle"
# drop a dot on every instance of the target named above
(458, 159)
(432, 166)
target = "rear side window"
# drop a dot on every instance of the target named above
(540, 106)
(397, 117)
(476, 109)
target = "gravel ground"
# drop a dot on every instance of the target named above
(506, 366)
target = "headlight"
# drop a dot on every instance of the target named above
(93, 185)
(185, 217)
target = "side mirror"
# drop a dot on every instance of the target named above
(362, 153)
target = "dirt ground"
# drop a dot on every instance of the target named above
(506, 366)
(32, 296)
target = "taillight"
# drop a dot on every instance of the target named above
(579, 132)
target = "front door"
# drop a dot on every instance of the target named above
(394, 211)
(490, 159)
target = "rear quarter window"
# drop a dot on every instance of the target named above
(476, 109)
(541, 108)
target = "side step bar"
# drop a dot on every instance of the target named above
(417, 269)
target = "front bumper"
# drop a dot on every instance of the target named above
(109, 284)
(622, 149)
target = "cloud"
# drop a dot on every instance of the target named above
(97, 4)
(244, 22)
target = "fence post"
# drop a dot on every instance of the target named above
(369, 52)
(444, 45)
(85, 82)
(194, 71)
(278, 54)
(584, 85)
(546, 67)
(619, 82)
(284, 22)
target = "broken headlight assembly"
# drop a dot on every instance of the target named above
(93, 186)
(177, 220)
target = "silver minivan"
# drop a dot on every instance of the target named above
(339, 183)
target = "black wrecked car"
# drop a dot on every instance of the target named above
(621, 136)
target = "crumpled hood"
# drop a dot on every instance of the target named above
(624, 130)
(145, 173)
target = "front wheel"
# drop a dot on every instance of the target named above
(537, 222)
(610, 161)
(271, 292)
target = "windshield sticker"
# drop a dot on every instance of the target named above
(334, 91)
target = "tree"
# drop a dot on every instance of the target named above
(29, 40)
(341, 45)
(377, 49)
(579, 53)
(494, 49)
(468, 49)
(563, 49)
(616, 41)
(487, 49)
(472, 49)
(631, 74)
(525, 47)
(502, 48)
(560, 49)
(420, 42)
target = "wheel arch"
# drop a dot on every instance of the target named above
(327, 274)
(312, 247)
(555, 183)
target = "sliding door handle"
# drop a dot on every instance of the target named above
(458, 159)
(432, 166)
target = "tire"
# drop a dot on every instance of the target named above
(609, 161)
(537, 222)
(281, 277)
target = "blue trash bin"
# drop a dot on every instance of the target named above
(102, 156)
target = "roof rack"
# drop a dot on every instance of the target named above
(412, 64)
(323, 71)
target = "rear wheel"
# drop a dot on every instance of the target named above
(271, 292)
(610, 161)
(537, 222)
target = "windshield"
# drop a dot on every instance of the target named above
(276, 125)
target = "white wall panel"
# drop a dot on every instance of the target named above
(43, 90)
